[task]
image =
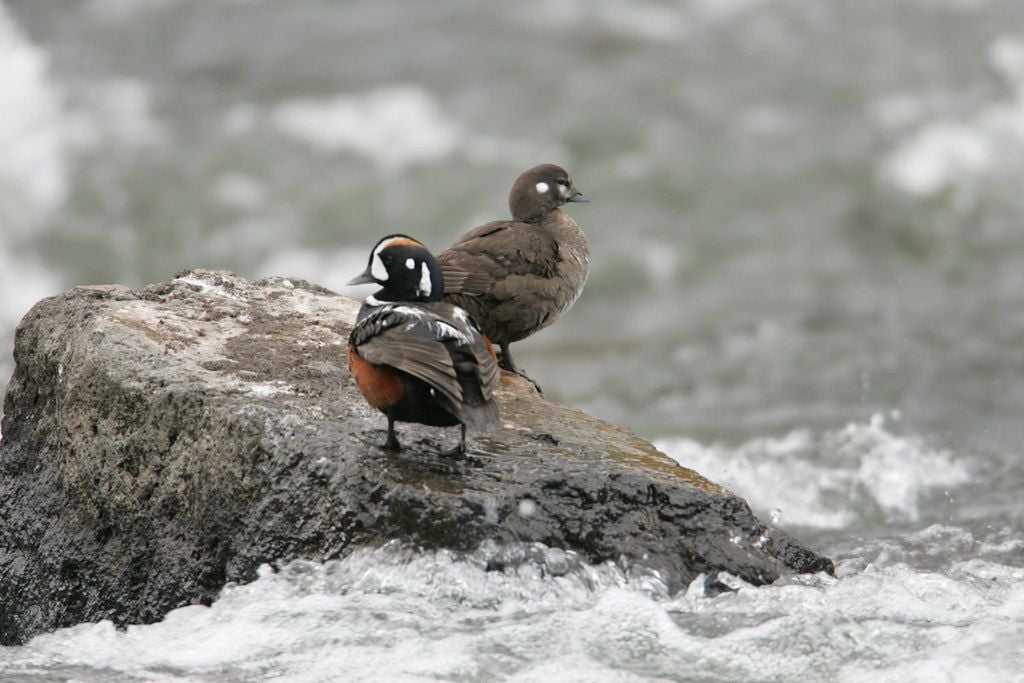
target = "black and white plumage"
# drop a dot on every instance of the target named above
(414, 357)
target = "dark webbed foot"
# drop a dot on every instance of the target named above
(456, 453)
(505, 362)
(531, 381)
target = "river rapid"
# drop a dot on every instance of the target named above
(807, 284)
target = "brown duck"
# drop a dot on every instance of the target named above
(517, 276)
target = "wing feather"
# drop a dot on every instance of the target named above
(424, 358)
(436, 343)
(494, 251)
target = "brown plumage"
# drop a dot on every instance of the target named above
(381, 386)
(517, 276)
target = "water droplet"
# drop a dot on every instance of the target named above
(527, 508)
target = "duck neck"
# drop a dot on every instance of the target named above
(549, 216)
(428, 289)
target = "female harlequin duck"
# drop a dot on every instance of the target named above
(413, 357)
(516, 277)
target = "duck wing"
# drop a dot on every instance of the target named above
(437, 344)
(494, 251)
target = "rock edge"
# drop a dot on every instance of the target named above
(159, 443)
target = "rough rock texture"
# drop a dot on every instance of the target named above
(162, 442)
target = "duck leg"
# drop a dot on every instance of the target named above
(392, 443)
(459, 450)
(506, 363)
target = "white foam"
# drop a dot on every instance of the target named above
(951, 153)
(394, 126)
(937, 156)
(396, 614)
(1006, 55)
(839, 479)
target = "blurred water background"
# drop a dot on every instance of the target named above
(807, 283)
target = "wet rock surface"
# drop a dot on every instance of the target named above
(158, 443)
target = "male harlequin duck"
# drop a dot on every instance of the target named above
(413, 357)
(516, 277)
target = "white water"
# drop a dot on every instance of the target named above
(905, 605)
(958, 154)
(392, 126)
(805, 214)
(859, 474)
(396, 615)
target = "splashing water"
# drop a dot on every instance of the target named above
(791, 232)
(397, 614)
(856, 475)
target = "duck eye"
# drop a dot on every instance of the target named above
(563, 182)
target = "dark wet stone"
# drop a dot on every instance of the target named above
(159, 443)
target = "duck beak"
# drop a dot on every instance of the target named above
(578, 197)
(364, 278)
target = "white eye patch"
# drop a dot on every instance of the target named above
(377, 268)
(410, 263)
(542, 187)
(424, 288)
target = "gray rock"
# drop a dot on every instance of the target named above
(162, 442)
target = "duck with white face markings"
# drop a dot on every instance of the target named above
(517, 276)
(414, 357)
